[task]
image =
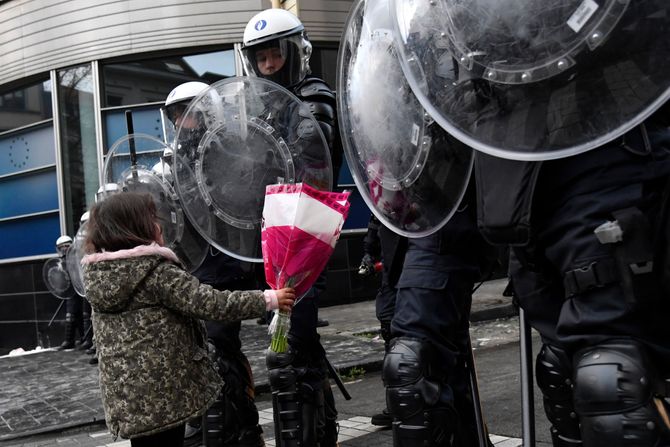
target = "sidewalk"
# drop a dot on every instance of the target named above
(55, 390)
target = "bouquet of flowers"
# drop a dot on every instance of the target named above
(300, 228)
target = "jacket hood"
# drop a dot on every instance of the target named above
(121, 272)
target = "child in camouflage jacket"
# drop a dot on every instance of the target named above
(155, 373)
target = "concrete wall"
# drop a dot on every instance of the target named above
(323, 19)
(39, 35)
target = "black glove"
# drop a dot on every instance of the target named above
(367, 266)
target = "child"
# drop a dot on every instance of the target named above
(155, 373)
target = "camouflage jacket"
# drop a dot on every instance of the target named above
(154, 369)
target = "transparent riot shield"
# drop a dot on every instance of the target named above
(73, 258)
(178, 234)
(535, 79)
(57, 278)
(410, 172)
(235, 138)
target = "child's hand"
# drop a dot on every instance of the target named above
(285, 298)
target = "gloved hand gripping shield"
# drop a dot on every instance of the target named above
(410, 172)
(235, 138)
(135, 176)
(535, 79)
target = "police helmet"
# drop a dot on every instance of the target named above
(63, 240)
(179, 97)
(275, 47)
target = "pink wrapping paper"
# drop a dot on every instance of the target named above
(300, 228)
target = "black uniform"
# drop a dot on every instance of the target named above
(424, 371)
(299, 378)
(233, 418)
(74, 317)
(596, 299)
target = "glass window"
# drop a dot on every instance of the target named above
(77, 140)
(25, 106)
(149, 81)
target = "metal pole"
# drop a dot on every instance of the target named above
(131, 145)
(482, 434)
(56, 313)
(527, 395)
(336, 377)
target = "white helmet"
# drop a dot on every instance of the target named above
(63, 240)
(179, 97)
(279, 31)
(184, 92)
(84, 217)
(176, 103)
(105, 190)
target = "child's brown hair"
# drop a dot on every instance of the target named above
(122, 221)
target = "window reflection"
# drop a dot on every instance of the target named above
(25, 106)
(78, 143)
(149, 81)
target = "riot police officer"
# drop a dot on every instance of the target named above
(74, 322)
(426, 366)
(566, 105)
(233, 418)
(276, 47)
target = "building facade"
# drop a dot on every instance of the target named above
(69, 70)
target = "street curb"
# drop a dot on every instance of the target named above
(494, 313)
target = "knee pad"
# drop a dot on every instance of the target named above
(233, 418)
(614, 395)
(413, 397)
(292, 402)
(554, 378)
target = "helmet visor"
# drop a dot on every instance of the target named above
(284, 60)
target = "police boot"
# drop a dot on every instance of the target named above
(331, 427)
(68, 342)
(87, 333)
(413, 396)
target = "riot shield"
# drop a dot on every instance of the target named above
(57, 279)
(535, 79)
(178, 234)
(235, 138)
(73, 259)
(410, 172)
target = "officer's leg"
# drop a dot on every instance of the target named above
(87, 327)
(554, 378)
(384, 308)
(233, 418)
(72, 309)
(420, 369)
(294, 401)
(414, 397)
(298, 386)
(541, 295)
(610, 295)
(615, 396)
(68, 341)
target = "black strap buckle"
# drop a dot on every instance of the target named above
(597, 274)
